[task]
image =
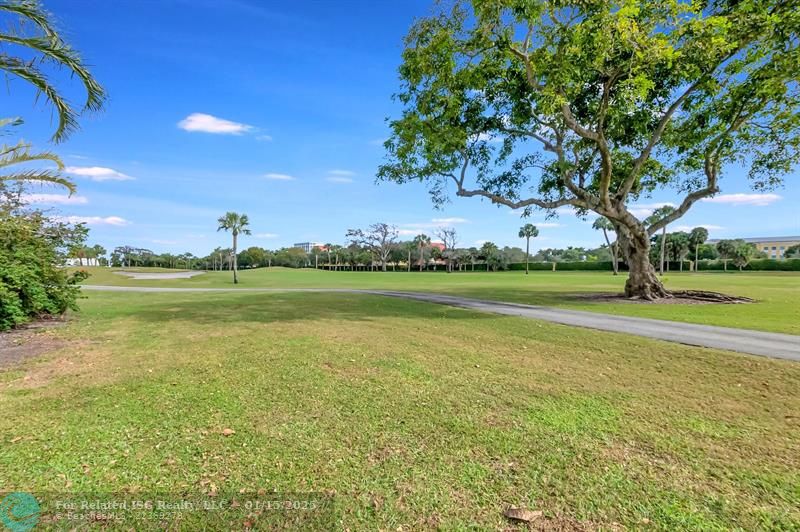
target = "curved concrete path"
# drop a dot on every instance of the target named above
(767, 344)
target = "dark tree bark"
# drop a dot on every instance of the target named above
(642, 280)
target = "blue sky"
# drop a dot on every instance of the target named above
(276, 110)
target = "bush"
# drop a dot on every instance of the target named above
(32, 282)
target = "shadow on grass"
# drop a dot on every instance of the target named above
(283, 307)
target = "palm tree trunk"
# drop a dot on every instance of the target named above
(409, 260)
(235, 260)
(694, 266)
(663, 248)
(527, 253)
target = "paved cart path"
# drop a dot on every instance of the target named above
(767, 344)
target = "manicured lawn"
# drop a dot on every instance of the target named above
(777, 293)
(404, 414)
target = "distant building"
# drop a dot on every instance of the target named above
(438, 245)
(308, 247)
(773, 246)
(82, 262)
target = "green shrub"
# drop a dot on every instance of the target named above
(32, 282)
(786, 265)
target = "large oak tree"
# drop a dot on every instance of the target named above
(595, 104)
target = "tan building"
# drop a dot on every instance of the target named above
(773, 246)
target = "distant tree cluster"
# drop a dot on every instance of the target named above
(739, 252)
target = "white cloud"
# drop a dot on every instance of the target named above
(211, 124)
(60, 199)
(546, 225)
(643, 210)
(487, 137)
(94, 220)
(413, 229)
(480, 242)
(76, 156)
(687, 228)
(338, 179)
(97, 173)
(279, 177)
(450, 220)
(345, 173)
(756, 200)
(264, 138)
(266, 235)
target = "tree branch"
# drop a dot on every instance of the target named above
(638, 163)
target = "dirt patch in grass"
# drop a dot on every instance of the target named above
(28, 342)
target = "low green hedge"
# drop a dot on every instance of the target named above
(605, 266)
(755, 265)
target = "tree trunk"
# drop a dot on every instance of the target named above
(235, 260)
(663, 248)
(642, 283)
(409, 261)
(527, 253)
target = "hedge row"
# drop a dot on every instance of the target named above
(756, 265)
(674, 266)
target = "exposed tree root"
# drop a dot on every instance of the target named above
(712, 297)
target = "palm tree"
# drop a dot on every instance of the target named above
(658, 214)
(35, 38)
(696, 239)
(422, 241)
(236, 224)
(489, 252)
(19, 154)
(328, 247)
(473, 254)
(527, 232)
(605, 225)
(409, 247)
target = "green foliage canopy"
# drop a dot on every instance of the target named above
(594, 103)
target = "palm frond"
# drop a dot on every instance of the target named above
(67, 121)
(30, 10)
(16, 121)
(41, 176)
(49, 48)
(61, 53)
(20, 153)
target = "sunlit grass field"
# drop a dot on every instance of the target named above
(777, 294)
(405, 415)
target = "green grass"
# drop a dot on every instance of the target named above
(776, 293)
(404, 414)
